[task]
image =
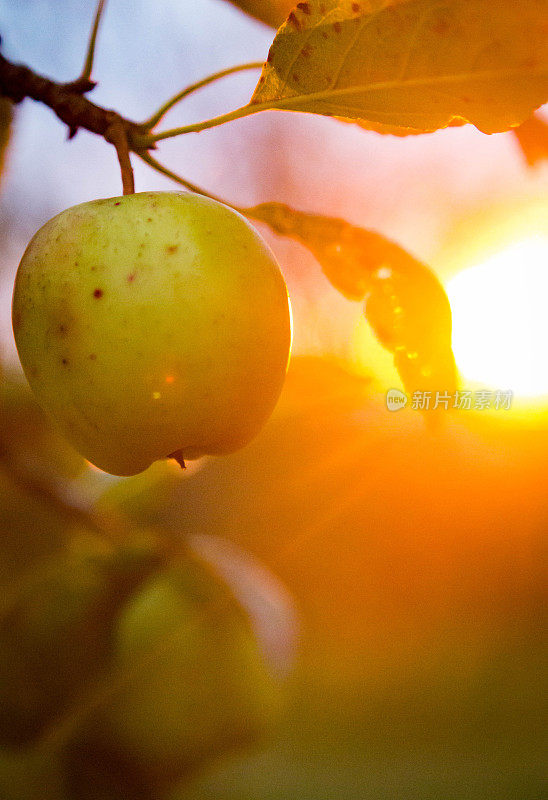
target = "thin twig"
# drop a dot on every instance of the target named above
(88, 63)
(249, 212)
(222, 119)
(162, 111)
(68, 102)
(152, 162)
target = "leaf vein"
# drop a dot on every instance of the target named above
(311, 30)
(365, 22)
(380, 86)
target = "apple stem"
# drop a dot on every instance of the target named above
(178, 457)
(117, 135)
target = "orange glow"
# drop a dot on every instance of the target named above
(170, 378)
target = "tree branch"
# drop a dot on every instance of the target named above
(67, 101)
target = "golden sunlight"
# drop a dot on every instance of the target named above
(500, 319)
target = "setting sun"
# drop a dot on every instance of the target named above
(500, 320)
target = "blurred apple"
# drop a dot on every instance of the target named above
(194, 682)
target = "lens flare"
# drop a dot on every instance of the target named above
(500, 319)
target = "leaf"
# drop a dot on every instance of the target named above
(405, 303)
(415, 66)
(272, 12)
(532, 137)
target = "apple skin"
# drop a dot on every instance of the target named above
(152, 324)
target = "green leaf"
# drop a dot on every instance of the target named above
(405, 303)
(272, 12)
(411, 67)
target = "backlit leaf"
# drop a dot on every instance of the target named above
(405, 304)
(413, 66)
(532, 137)
(273, 12)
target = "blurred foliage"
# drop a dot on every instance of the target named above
(416, 561)
(125, 660)
(30, 775)
(65, 607)
(202, 688)
(28, 439)
(127, 666)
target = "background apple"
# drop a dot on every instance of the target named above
(194, 681)
(152, 323)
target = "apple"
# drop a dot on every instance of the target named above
(150, 325)
(191, 678)
(179, 663)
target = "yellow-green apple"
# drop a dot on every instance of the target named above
(152, 324)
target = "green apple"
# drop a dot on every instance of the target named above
(191, 679)
(152, 324)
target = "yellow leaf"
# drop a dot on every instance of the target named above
(273, 12)
(532, 138)
(411, 67)
(405, 304)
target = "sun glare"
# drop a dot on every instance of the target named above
(500, 319)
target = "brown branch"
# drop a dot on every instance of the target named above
(68, 102)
